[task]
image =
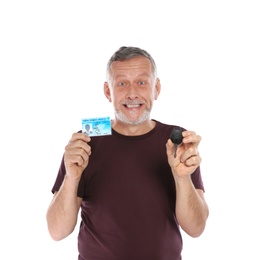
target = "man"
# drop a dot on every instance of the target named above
(87, 130)
(133, 193)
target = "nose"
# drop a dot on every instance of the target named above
(132, 92)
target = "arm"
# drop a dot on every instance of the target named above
(62, 213)
(191, 208)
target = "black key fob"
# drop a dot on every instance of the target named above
(176, 138)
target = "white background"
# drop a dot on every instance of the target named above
(210, 61)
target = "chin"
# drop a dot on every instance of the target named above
(131, 120)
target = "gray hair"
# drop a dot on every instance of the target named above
(126, 53)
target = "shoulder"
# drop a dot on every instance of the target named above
(160, 126)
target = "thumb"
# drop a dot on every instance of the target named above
(170, 147)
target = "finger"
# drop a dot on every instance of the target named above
(80, 136)
(169, 144)
(187, 133)
(170, 147)
(190, 152)
(77, 156)
(74, 159)
(193, 161)
(78, 144)
(191, 137)
(82, 149)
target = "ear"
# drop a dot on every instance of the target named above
(157, 89)
(107, 91)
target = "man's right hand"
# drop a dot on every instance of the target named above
(76, 155)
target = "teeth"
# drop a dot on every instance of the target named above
(132, 106)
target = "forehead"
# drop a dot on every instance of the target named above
(136, 64)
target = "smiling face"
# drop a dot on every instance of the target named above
(132, 87)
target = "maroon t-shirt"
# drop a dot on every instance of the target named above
(128, 191)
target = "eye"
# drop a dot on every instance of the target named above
(141, 82)
(121, 84)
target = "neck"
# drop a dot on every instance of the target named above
(130, 130)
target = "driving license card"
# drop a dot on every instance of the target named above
(97, 126)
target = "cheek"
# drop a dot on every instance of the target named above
(151, 95)
(118, 95)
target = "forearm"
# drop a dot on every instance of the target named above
(191, 209)
(63, 211)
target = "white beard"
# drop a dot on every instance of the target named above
(137, 121)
